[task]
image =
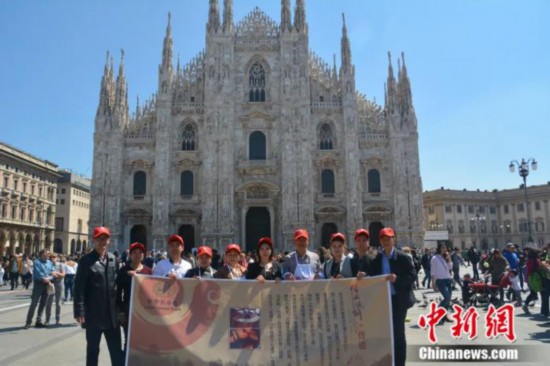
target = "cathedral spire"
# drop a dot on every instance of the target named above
(167, 47)
(334, 70)
(345, 48)
(300, 16)
(213, 17)
(390, 87)
(404, 87)
(227, 16)
(104, 93)
(121, 88)
(286, 24)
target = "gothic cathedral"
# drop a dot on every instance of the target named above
(255, 136)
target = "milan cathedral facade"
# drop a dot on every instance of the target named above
(255, 136)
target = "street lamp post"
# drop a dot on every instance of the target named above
(477, 220)
(523, 170)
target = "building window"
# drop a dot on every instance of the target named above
(79, 226)
(257, 146)
(450, 227)
(15, 184)
(22, 214)
(520, 207)
(448, 209)
(13, 211)
(6, 181)
(59, 224)
(458, 208)
(471, 209)
(140, 184)
(506, 209)
(31, 215)
(374, 181)
(32, 190)
(461, 227)
(63, 190)
(187, 184)
(522, 226)
(189, 138)
(493, 210)
(327, 182)
(325, 137)
(481, 209)
(507, 227)
(62, 201)
(494, 227)
(3, 211)
(24, 187)
(431, 210)
(256, 83)
(472, 227)
(537, 206)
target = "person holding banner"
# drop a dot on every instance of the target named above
(204, 261)
(301, 264)
(94, 299)
(362, 260)
(264, 268)
(401, 274)
(176, 266)
(339, 266)
(124, 285)
(232, 270)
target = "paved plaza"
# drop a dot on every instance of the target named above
(65, 345)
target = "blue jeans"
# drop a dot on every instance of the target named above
(69, 285)
(427, 277)
(444, 286)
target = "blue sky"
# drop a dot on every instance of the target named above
(480, 72)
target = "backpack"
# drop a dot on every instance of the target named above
(535, 281)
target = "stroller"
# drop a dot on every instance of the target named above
(482, 293)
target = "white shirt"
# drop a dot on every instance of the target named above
(440, 268)
(70, 270)
(514, 283)
(165, 267)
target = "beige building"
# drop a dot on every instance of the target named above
(73, 212)
(27, 201)
(489, 219)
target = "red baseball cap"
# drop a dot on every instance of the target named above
(231, 247)
(204, 250)
(175, 237)
(137, 245)
(301, 233)
(338, 236)
(265, 240)
(101, 230)
(387, 232)
(359, 232)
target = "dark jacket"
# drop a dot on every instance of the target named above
(361, 264)
(124, 287)
(95, 292)
(401, 265)
(426, 262)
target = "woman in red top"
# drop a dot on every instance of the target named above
(124, 285)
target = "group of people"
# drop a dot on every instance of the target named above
(501, 269)
(102, 288)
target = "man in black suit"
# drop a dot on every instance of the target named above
(400, 270)
(95, 299)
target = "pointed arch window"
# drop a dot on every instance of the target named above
(257, 146)
(187, 184)
(189, 138)
(327, 182)
(374, 181)
(256, 83)
(326, 140)
(140, 184)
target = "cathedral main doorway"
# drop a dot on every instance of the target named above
(258, 225)
(187, 232)
(374, 231)
(326, 232)
(138, 233)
